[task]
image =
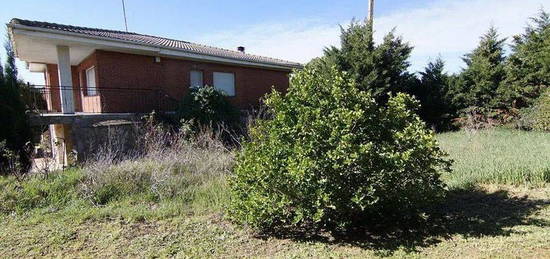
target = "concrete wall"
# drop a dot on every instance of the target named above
(115, 136)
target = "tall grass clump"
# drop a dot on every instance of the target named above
(171, 165)
(167, 167)
(497, 156)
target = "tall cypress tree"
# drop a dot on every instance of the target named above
(15, 130)
(380, 69)
(11, 72)
(1, 75)
(484, 71)
(432, 90)
(528, 67)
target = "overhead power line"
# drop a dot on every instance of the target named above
(124, 11)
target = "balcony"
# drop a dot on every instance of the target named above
(100, 102)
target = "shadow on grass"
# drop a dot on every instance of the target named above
(468, 213)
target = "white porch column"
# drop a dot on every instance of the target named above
(65, 79)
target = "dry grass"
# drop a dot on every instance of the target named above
(171, 165)
(168, 202)
(171, 170)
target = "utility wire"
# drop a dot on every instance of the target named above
(124, 11)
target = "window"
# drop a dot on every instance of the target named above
(225, 82)
(196, 78)
(91, 88)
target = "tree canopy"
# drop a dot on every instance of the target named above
(528, 67)
(333, 157)
(484, 71)
(379, 69)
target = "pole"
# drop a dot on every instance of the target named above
(124, 11)
(370, 18)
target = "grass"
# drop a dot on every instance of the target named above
(179, 211)
(498, 156)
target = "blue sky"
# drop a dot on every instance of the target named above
(296, 30)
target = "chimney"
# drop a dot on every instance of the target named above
(241, 49)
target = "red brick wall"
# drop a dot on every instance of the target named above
(81, 102)
(116, 70)
(120, 70)
(89, 103)
(52, 96)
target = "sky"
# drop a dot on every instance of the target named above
(295, 30)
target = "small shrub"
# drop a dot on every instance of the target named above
(538, 116)
(207, 107)
(331, 157)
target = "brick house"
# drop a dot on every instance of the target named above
(105, 70)
(105, 74)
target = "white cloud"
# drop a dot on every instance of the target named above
(296, 41)
(448, 28)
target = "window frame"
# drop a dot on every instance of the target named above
(234, 82)
(190, 79)
(88, 92)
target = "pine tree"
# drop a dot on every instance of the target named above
(528, 67)
(3, 89)
(458, 95)
(1, 75)
(15, 131)
(484, 71)
(379, 69)
(432, 90)
(10, 68)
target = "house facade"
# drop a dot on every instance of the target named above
(94, 75)
(90, 70)
(116, 82)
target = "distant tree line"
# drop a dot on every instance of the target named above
(492, 85)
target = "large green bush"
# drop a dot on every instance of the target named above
(205, 106)
(331, 157)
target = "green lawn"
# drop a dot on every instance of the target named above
(486, 214)
(498, 156)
